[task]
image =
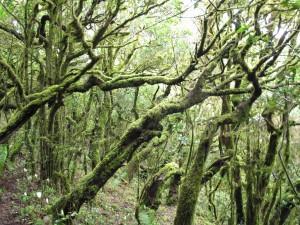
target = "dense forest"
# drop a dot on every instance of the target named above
(150, 112)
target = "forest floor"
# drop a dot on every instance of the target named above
(24, 202)
(10, 204)
(114, 204)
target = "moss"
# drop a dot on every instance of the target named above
(173, 189)
(285, 206)
(214, 168)
(151, 192)
(90, 184)
(150, 198)
(36, 101)
(19, 118)
(140, 131)
(145, 151)
(191, 184)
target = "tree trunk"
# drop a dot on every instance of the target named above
(190, 188)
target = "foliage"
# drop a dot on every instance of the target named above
(3, 157)
(98, 96)
(147, 216)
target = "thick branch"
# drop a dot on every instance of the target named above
(12, 32)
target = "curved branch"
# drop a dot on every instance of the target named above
(13, 76)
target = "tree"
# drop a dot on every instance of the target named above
(105, 55)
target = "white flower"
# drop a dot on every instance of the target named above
(48, 180)
(62, 212)
(39, 194)
(25, 170)
(15, 23)
(35, 175)
(47, 200)
(25, 193)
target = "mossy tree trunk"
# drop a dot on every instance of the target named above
(228, 140)
(92, 182)
(190, 188)
(174, 189)
(191, 185)
(150, 198)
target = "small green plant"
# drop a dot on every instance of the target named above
(3, 157)
(147, 216)
(295, 4)
(1, 192)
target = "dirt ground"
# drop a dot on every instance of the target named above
(9, 203)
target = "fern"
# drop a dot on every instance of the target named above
(147, 216)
